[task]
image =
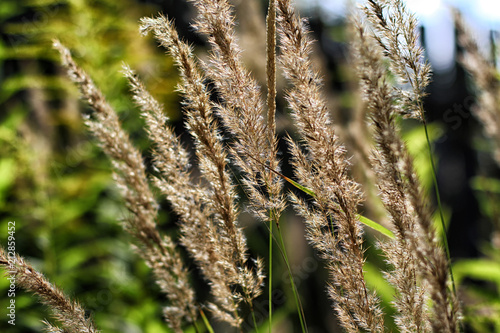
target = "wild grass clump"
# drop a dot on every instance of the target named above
(221, 96)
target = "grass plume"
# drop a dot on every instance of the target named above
(416, 253)
(67, 312)
(485, 77)
(130, 175)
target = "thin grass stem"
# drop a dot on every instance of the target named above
(206, 322)
(270, 297)
(252, 311)
(440, 208)
(300, 309)
(282, 250)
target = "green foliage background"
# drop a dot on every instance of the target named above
(54, 182)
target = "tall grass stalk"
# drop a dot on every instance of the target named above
(271, 110)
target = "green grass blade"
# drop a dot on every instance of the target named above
(300, 187)
(207, 323)
(366, 221)
(375, 226)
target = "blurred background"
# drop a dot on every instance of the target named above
(56, 184)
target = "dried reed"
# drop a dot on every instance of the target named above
(485, 76)
(389, 33)
(66, 311)
(130, 175)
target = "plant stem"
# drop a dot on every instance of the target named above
(270, 298)
(300, 309)
(207, 323)
(438, 199)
